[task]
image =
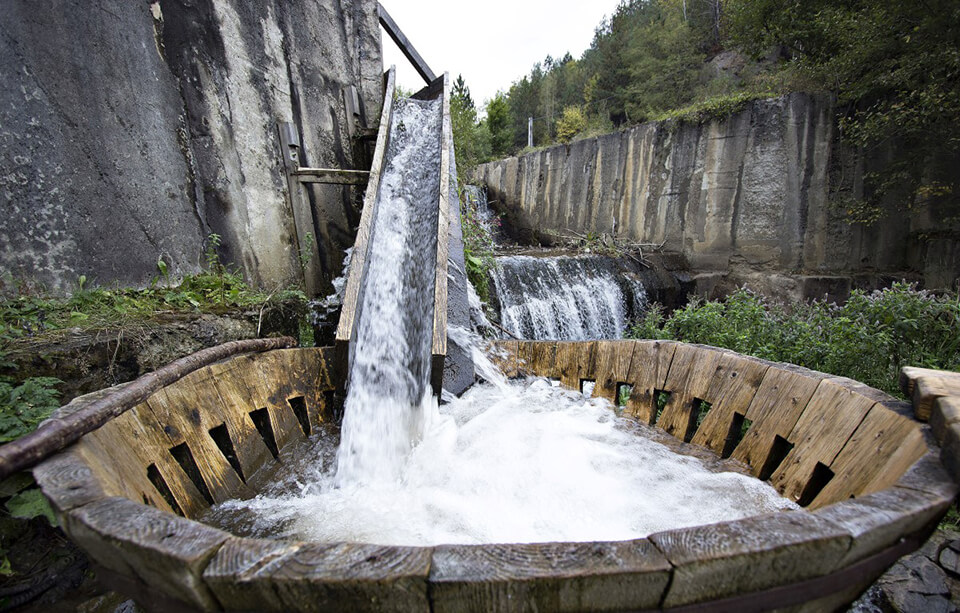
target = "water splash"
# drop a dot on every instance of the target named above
(509, 461)
(565, 298)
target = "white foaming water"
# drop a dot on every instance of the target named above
(388, 385)
(563, 298)
(509, 461)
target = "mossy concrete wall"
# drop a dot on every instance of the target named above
(746, 199)
(129, 131)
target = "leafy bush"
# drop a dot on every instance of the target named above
(868, 339)
(24, 406)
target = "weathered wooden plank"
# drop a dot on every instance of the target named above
(504, 355)
(568, 364)
(122, 449)
(249, 448)
(361, 245)
(928, 475)
(774, 411)
(910, 374)
(946, 412)
(613, 367)
(404, 44)
(748, 555)
(880, 519)
(824, 427)
(439, 341)
(544, 358)
(69, 481)
(872, 444)
(950, 451)
(165, 551)
(691, 374)
(734, 385)
(928, 388)
(648, 372)
(184, 420)
(336, 176)
(269, 386)
(231, 574)
(625, 575)
(150, 444)
(341, 577)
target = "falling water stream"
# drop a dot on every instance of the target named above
(509, 461)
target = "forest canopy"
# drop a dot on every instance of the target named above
(893, 68)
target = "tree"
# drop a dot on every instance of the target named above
(895, 68)
(572, 122)
(498, 125)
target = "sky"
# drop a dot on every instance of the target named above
(491, 43)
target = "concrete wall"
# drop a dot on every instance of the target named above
(745, 200)
(129, 131)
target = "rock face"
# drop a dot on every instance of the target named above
(129, 131)
(748, 197)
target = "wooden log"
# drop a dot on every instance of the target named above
(748, 555)
(881, 434)
(774, 411)
(617, 576)
(163, 550)
(879, 520)
(824, 427)
(59, 431)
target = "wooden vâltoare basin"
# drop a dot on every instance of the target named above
(871, 479)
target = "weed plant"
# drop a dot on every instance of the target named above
(868, 339)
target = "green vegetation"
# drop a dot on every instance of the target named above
(868, 339)
(893, 67)
(478, 248)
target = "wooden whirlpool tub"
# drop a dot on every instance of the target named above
(871, 477)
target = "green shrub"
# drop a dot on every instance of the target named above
(868, 339)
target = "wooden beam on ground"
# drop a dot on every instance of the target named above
(332, 175)
(405, 45)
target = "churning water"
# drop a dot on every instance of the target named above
(509, 461)
(565, 298)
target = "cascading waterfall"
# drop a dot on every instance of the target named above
(508, 461)
(388, 384)
(565, 298)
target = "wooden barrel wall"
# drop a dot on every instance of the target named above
(871, 478)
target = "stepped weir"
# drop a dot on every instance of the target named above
(871, 478)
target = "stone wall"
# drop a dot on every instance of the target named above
(744, 200)
(130, 131)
